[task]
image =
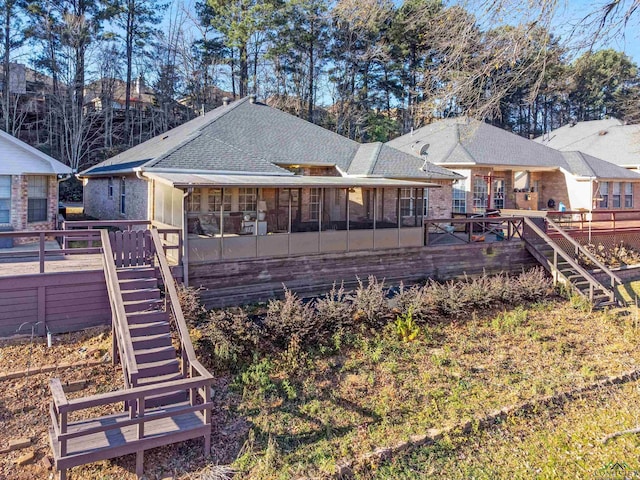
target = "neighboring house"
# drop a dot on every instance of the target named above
(609, 139)
(247, 180)
(504, 171)
(28, 186)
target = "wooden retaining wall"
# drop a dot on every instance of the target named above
(244, 281)
(61, 302)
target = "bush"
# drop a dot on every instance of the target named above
(406, 327)
(335, 310)
(291, 316)
(193, 311)
(532, 285)
(370, 303)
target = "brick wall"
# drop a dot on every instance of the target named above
(440, 199)
(98, 204)
(553, 185)
(20, 206)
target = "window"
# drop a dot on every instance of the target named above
(480, 193)
(406, 202)
(110, 187)
(615, 197)
(123, 197)
(628, 195)
(247, 199)
(425, 202)
(5, 198)
(38, 198)
(604, 195)
(314, 204)
(193, 201)
(498, 194)
(459, 197)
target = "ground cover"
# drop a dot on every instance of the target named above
(565, 441)
(300, 386)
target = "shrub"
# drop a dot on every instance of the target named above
(335, 310)
(189, 297)
(289, 317)
(532, 285)
(406, 327)
(370, 303)
(255, 381)
(510, 321)
(449, 298)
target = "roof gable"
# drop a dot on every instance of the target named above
(19, 158)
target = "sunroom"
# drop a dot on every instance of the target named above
(245, 216)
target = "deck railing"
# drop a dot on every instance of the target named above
(191, 366)
(445, 231)
(119, 324)
(600, 219)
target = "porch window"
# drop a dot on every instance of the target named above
(110, 188)
(314, 204)
(123, 197)
(498, 194)
(628, 195)
(616, 195)
(247, 199)
(480, 193)
(194, 201)
(459, 197)
(406, 202)
(38, 198)
(5, 198)
(604, 194)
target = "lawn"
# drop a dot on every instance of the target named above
(294, 398)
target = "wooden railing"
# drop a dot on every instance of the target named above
(600, 219)
(190, 364)
(61, 407)
(580, 250)
(120, 329)
(90, 237)
(534, 236)
(470, 230)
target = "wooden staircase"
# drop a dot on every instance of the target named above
(564, 267)
(167, 396)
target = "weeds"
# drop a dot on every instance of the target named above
(406, 327)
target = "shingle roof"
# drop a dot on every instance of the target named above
(458, 141)
(608, 139)
(255, 138)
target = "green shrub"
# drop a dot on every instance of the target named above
(256, 381)
(406, 327)
(510, 321)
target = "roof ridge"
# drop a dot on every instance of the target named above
(375, 156)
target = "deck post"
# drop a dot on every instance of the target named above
(139, 463)
(63, 474)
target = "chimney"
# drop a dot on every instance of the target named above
(225, 100)
(252, 98)
(139, 85)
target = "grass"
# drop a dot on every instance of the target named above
(560, 442)
(379, 390)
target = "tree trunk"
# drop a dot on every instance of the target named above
(129, 53)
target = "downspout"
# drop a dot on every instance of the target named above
(62, 178)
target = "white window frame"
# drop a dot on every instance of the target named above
(5, 196)
(628, 195)
(110, 188)
(123, 196)
(315, 197)
(480, 193)
(616, 197)
(604, 194)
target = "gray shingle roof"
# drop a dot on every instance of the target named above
(458, 141)
(255, 138)
(608, 139)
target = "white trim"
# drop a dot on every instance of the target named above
(56, 166)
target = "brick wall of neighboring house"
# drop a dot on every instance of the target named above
(98, 204)
(20, 206)
(441, 199)
(552, 186)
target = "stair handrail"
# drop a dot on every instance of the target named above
(188, 352)
(585, 274)
(117, 306)
(592, 258)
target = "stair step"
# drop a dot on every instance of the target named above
(150, 328)
(141, 294)
(143, 305)
(169, 377)
(136, 272)
(147, 317)
(160, 367)
(151, 341)
(137, 283)
(155, 354)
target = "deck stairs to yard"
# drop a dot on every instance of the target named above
(166, 395)
(565, 266)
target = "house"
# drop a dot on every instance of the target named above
(609, 139)
(28, 186)
(247, 180)
(504, 171)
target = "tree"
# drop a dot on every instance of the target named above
(11, 40)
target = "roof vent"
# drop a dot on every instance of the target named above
(252, 98)
(225, 100)
(602, 132)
